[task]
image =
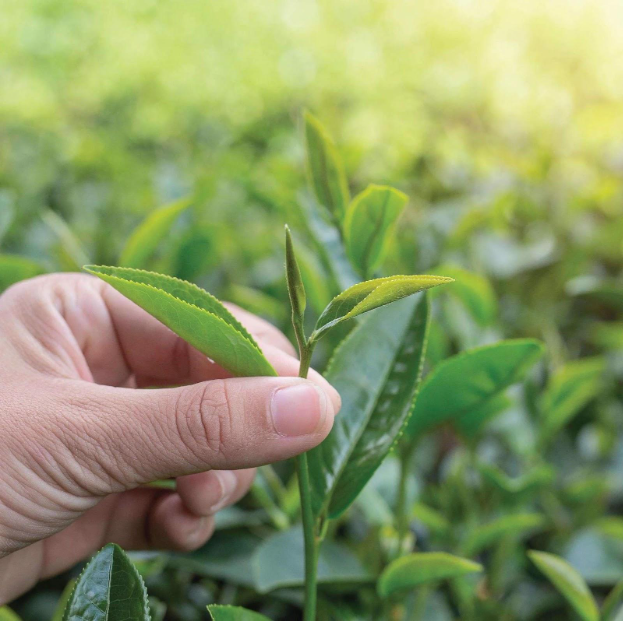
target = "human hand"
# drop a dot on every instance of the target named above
(80, 433)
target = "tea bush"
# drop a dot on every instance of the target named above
(171, 137)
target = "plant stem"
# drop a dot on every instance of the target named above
(307, 516)
(402, 521)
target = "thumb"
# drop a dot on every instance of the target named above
(233, 423)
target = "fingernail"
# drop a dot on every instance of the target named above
(299, 409)
(197, 530)
(227, 483)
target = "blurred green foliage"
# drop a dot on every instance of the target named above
(501, 120)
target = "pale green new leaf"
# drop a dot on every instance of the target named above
(569, 583)
(296, 290)
(376, 370)
(194, 314)
(109, 588)
(419, 568)
(570, 388)
(144, 240)
(465, 382)
(225, 613)
(325, 168)
(14, 268)
(369, 223)
(369, 295)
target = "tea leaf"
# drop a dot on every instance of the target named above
(8, 615)
(194, 314)
(70, 250)
(369, 223)
(376, 370)
(569, 390)
(279, 562)
(328, 242)
(296, 290)
(471, 423)
(325, 168)
(484, 536)
(569, 583)
(369, 295)
(144, 240)
(468, 380)
(475, 291)
(14, 268)
(223, 613)
(419, 568)
(109, 588)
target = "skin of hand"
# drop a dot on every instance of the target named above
(88, 414)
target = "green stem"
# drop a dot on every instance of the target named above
(307, 516)
(402, 521)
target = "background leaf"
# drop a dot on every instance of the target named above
(376, 370)
(195, 315)
(468, 380)
(223, 613)
(109, 588)
(369, 224)
(568, 581)
(418, 568)
(325, 168)
(279, 562)
(144, 240)
(14, 268)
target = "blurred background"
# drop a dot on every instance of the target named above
(501, 120)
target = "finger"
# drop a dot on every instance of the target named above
(204, 494)
(128, 437)
(262, 330)
(172, 526)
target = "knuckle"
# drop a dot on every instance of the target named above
(206, 425)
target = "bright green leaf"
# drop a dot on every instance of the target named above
(279, 562)
(369, 224)
(296, 290)
(376, 370)
(144, 240)
(418, 568)
(223, 613)
(568, 581)
(8, 615)
(325, 168)
(14, 269)
(194, 314)
(484, 536)
(474, 290)
(369, 295)
(465, 382)
(109, 588)
(570, 388)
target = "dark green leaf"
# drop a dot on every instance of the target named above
(419, 568)
(376, 370)
(569, 582)
(109, 588)
(369, 295)
(470, 424)
(223, 613)
(194, 314)
(468, 380)
(570, 388)
(325, 168)
(369, 224)
(145, 239)
(279, 562)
